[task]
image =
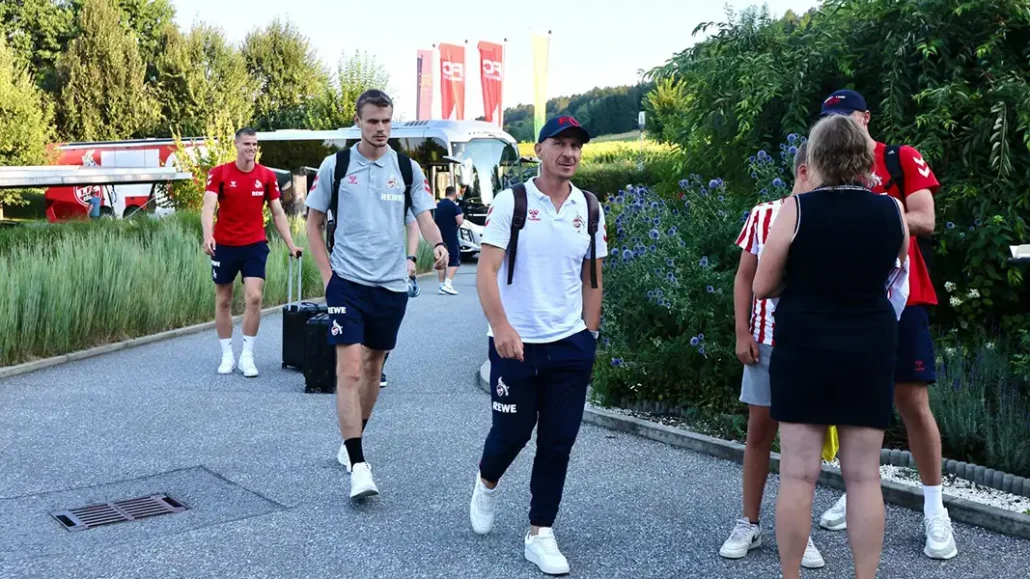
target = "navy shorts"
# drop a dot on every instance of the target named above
(362, 314)
(916, 361)
(454, 253)
(231, 260)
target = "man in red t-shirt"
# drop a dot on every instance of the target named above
(237, 243)
(915, 366)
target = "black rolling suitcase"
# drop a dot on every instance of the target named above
(295, 315)
(319, 357)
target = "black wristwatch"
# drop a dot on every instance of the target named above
(413, 259)
(439, 244)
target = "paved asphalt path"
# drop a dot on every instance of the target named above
(255, 462)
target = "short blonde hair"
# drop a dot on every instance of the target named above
(838, 151)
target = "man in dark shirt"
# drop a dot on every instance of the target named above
(448, 219)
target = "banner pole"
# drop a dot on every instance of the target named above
(504, 77)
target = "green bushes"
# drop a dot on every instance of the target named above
(668, 311)
(945, 76)
(982, 404)
(668, 333)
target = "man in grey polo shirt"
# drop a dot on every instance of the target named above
(366, 275)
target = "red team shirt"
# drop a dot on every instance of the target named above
(918, 176)
(242, 203)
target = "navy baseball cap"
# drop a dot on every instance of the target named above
(559, 125)
(843, 102)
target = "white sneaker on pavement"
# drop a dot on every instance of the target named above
(481, 510)
(447, 288)
(744, 537)
(812, 559)
(228, 364)
(361, 483)
(343, 457)
(542, 550)
(247, 366)
(940, 538)
(835, 518)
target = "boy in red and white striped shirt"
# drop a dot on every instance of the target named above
(755, 322)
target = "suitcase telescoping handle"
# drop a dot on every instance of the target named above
(289, 282)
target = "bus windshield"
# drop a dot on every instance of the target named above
(487, 167)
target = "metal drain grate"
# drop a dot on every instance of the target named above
(85, 518)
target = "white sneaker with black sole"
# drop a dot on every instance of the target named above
(542, 550)
(361, 484)
(228, 364)
(836, 517)
(481, 510)
(343, 457)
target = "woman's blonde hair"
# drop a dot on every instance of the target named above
(838, 151)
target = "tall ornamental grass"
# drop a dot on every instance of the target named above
(71, 286)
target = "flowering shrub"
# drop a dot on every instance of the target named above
(667, 326)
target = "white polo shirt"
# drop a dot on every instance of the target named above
(544, 302)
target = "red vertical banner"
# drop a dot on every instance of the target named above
(424, 97)
(491, 69)
(452, 81)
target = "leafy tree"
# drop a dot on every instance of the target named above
(37, 31)
(102, 90)
(288, 73)
(334, 107)
(198, 77)
(199, 157)
(26, 120)
(948, 77)
(602, 111)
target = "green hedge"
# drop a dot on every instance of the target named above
(668, 330)
(946, 76)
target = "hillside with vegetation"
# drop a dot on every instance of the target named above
(602, 111)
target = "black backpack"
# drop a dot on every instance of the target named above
(342, 162)
(892, 162)
(518, 221)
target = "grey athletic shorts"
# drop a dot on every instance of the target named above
(754, 387)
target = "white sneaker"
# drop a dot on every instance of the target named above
(361, 483)
(447, 288)
(228, 364)
(813, 559)
(835, 518)
(542, 550)
(481, 511)
(744, 537)
(343, 457)
(247, 366)
(940, 540)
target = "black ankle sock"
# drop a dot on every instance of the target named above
(354, 450)
(364, 423)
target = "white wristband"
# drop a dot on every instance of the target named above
(595, 333)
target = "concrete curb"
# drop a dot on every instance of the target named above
(36, 365)
(991, 518)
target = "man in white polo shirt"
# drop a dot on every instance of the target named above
(544, 319)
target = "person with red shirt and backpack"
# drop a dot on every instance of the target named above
(237, 242)
(902, 173)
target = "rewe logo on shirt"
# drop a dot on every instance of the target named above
(392, 197)
(506, 408)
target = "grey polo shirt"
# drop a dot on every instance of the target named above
(369, 242)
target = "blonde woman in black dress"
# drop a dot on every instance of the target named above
(827, 258)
